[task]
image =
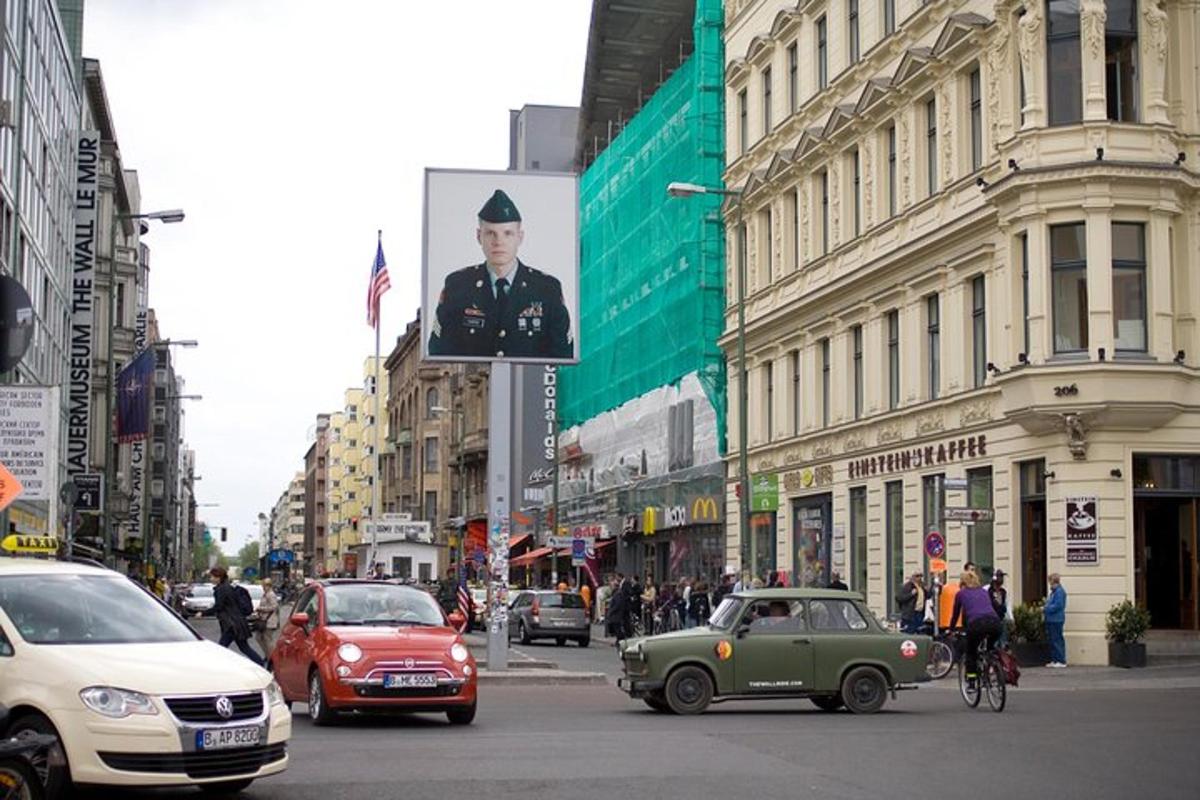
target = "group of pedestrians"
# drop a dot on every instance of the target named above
(238, 623)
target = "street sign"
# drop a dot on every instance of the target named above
(968, 514)
(89, 487)
(569, 541)
(282, 556)
(578, 552)
(10, 488)
(16, 543)
(935, 544)
(937, 565)
(954, 484)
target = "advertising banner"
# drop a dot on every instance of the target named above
(535, 405)
(29, 438)
(500, 272)
(1083, 534)
(83, 276)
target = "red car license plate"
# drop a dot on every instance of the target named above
(409, 680)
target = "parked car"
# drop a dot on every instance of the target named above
(199, 599)
(130, 693)
(775, 644)
(361, 645)
(549, 615)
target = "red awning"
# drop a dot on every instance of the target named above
(530, 557)
(517, 539)
(603, 543)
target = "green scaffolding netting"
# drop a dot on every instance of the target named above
(652, 268)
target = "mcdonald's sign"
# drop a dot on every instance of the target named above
(705, 508)
(649, 520)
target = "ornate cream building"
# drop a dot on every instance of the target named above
(971, 237)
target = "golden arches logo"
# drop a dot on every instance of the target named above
(649, 521)
(704, 508)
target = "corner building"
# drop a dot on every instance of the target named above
(971, 238)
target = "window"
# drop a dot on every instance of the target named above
(680, 439)
(793, 209)
(822, 54)
(893, 341)
(858, 538)
(1024, 239)
(119, 319)
(979, 329)
(1120, 57)
(1068, 268)
(976, 120)
(769, 380)
(891, 178)
(856, 187)
(431, 403)
(406, 461)
(743, 128)
(856, 333)
(768, 618)
(825, 382)
(431, 454)
(425, 569)
(765, 245)
(931, 144)
(6, 648)
(1064, 100)
(894, 520)
(795, 392)
(853, 26)
(402, 567)
(980, 544)
(1129, 286)
(835, 615)
(766, 101)
(823, 178)
(933, 329)
(793, 59)
(889, 17)
(431, 506)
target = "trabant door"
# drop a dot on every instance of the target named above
(773, 651)
(840, 633)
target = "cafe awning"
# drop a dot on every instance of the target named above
(530, 557)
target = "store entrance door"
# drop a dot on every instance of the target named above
(1165, 540)
(812, 536)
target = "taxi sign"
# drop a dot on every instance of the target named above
(16, 543)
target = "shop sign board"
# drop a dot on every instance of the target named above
(764, 492)
(1083, 531)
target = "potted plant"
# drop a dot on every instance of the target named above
(1125, 625)
(1027, 635)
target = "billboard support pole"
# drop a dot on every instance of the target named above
(500, 417)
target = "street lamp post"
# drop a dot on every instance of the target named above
(679, 189)
(167, 217)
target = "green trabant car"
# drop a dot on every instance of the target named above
(821, 644)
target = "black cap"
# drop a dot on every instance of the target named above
(998, 574)
(499, 208)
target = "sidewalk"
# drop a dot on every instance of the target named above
(524, 670)
(1087, 679)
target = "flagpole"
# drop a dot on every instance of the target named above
(378, 487)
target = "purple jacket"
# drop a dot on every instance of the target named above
(973, 604)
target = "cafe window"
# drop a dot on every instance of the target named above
(856, 333)
(1121, 59)
(1129, 286)
(858, 538)
(743, 123)
(980, 541)
(1068, 268)
(1063, 62)
(894, 521)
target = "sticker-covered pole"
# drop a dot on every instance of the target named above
(500, 394)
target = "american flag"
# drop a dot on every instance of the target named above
(465, 601)
(379, 284)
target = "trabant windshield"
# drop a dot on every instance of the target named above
(726, 613)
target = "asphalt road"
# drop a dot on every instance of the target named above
(1129, 739)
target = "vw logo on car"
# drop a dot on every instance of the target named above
(224, 707)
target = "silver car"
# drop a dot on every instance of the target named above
(199, 599)
(549, 615)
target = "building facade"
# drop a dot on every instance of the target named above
(316, 493)
(970, 234)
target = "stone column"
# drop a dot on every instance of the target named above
(841, 377)
(1152, 43)
(1040, 294)
(956, 340)
(874, 365)
(1031, 45)
(1000, 77)
(913, 367)
(1099, 276)
(1092, 18)
(1160, 318)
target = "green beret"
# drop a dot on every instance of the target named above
(499, 208)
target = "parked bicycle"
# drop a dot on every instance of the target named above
(20, 757)
(990, 680)
(944, 653)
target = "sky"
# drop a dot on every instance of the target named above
(290, 131)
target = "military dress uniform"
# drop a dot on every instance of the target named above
(521, 315)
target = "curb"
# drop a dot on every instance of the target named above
(543, 677)
(519, 665)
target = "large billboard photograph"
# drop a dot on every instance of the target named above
(500, 272)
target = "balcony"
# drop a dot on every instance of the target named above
(404, 436)
(475, 442)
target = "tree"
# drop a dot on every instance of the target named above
(200, 557)
(248, 555)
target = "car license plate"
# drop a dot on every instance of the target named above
(222, 738)
(562, 623)
(410, 680)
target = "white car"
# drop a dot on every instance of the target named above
(256, 593)
(133, 694)
(199, 599)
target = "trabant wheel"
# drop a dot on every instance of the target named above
(318, 708)
(689, 690)
(864, 690)
(226, 787)
(658, 702)
(828, 703)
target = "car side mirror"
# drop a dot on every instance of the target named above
(742, 630)
(300, 620)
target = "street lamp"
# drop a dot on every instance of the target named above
(167, 216)
(683, 190)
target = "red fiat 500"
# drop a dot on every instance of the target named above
(373, 646)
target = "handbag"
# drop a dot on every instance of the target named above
(1008, 663)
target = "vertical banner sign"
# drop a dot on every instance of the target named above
(29, 438)
(1083, 534)
(137, 457)
(83, 274)
(535, 405)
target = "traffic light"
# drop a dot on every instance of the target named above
(224, 534)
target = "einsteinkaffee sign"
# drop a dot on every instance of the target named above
(966, 447)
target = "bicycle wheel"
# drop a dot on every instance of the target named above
(970, 695)
(997, 690)
(941, 660)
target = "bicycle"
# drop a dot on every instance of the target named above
(944, 654)
(990, 680)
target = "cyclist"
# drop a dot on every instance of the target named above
(979, 620)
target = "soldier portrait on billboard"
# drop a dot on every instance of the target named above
(501, 307)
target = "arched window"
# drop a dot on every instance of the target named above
(431, 402)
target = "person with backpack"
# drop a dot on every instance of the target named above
(232, 605)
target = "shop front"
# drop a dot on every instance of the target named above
(1166, 499)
